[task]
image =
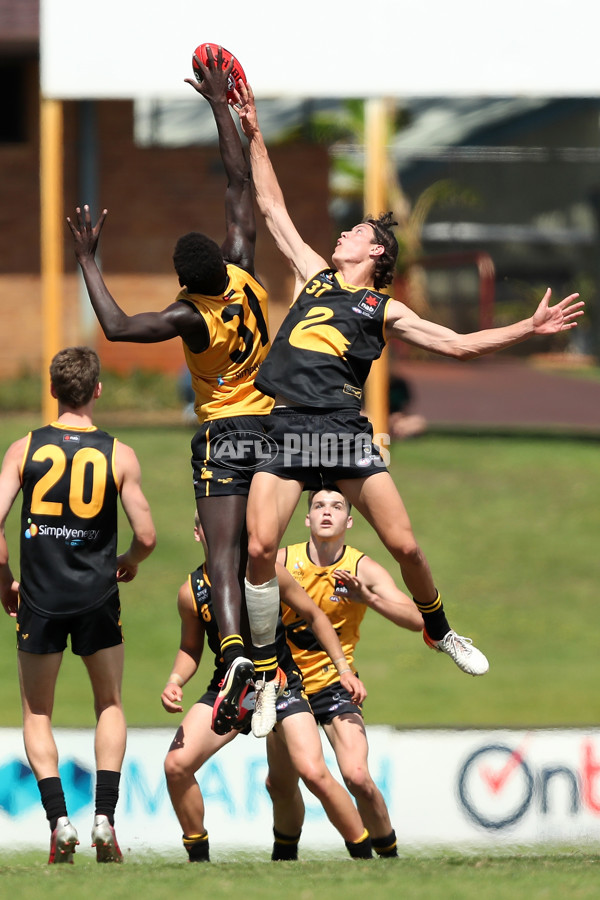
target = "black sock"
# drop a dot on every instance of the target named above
(285, 846)
(360, 849)
(197, 847)
(53, 799)
(385, 846)
(107, 793)
(231, 648)
(436, 623)
(265, 662)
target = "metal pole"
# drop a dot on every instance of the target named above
(375, 202)
(51, 240)
(87, 155)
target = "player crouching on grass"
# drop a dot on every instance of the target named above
(296, 731)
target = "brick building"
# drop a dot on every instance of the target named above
(153, 195)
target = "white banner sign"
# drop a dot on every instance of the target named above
(143, 48)
(445, 788)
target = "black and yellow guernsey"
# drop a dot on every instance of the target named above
(330, 595)
(199, 583)
(236, 343)
(322, 354)
(68, 520)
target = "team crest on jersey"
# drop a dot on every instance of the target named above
(369, 304)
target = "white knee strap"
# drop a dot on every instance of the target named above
(262, 603)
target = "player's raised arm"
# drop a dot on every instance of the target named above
(147, 327)
(403, 323)
(269, 196)
(212, 84)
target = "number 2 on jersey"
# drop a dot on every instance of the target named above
(312, 334)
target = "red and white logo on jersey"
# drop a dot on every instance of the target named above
(369, 304)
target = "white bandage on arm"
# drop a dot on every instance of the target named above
(262, 603)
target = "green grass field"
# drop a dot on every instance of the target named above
(451, 876)
(510, 527)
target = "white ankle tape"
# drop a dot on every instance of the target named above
(262, 603)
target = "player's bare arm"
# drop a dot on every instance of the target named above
(10, 485)
(138, 513)
(240, 240)
(177, 320)
(296, 597)
(403, 323)
(269, 196)
(374, 586)
(189, 654)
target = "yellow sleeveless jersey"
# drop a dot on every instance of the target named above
(330, 595)
(223, 374)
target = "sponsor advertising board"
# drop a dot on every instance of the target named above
(471, 789)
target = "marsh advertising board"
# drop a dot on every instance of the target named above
(465, 789)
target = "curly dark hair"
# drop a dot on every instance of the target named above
(199, 264)
(74, 374)
(384, 235)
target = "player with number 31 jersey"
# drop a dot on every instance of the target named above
(221, 318)
(223, 374)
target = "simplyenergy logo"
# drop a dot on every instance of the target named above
(499, 784)
(73, 537)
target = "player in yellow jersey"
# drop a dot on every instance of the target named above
(221, 316)
(343, 583)
(339, 322)
(296, 735)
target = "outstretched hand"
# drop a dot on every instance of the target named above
(560, 317)
(245, 106)
(85, 234)
(215, 78)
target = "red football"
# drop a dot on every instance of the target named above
(237, 75)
